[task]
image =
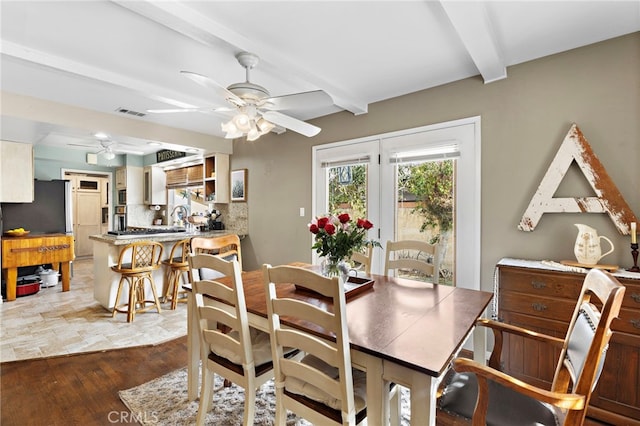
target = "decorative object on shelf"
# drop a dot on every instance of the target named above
(239, 185)
(337, 237)
(634, 249)
(608, 198)
(587, 247)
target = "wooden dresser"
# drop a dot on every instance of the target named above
(541, 296)
(36, 250)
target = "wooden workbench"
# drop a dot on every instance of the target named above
(33, 250)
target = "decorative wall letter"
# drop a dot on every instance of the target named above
(608, 200)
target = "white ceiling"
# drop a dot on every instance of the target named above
(105, 55)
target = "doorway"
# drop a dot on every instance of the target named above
(91, 203)
(384, 164)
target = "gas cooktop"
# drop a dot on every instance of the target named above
(145, 231)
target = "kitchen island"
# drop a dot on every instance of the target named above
(106, 250)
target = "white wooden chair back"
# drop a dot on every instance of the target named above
(363, 260)
(412, 256)
(335, 353)
(232, 315)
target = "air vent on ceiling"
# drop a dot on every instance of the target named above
(130, 112)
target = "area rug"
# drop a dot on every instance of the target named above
(163, 401)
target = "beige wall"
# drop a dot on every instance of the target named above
(524, 119)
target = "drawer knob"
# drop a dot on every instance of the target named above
(635, 323)
(538, 284)
(636, 297)
(539, 306)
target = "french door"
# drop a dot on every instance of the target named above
(378, 164)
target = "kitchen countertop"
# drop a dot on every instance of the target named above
(161, 238)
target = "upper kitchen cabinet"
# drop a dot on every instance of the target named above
(121, 178)
(216, 178)
(16, 172)
(129, 179)
(154, 186)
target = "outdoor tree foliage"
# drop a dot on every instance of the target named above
(432, 185)
(348, 194)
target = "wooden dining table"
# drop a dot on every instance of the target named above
(400, 330)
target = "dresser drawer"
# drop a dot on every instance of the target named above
(539, 306)
(541, 283)
(632, 294)
(628, 321)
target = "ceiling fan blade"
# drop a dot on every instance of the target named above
(313, 99)
(220, 90)
(84, 146)
(291, 123)
(172, 110)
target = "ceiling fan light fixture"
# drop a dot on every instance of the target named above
(242, 122)
(231, 130)
(109, 155)
(264, 125)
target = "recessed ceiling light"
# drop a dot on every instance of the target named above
(154, 143)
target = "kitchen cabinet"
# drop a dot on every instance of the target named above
(16, 172)
(154, 186)
(121, 178)
(130, 179)
(216, 178)
(541, 297)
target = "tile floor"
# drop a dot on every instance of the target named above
(55, 323)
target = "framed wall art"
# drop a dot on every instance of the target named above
(239, 185)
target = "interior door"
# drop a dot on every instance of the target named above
(88, 221)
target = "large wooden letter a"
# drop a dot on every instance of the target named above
(608, 200)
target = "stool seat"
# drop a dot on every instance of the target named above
(176, 266)
(136, 264)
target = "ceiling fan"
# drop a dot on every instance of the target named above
(109, 147)
(256, 111)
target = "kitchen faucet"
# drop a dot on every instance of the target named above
(185, 213)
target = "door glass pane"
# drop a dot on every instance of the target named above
(348, 190)
(425, 211)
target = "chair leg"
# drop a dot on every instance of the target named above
(206, 395)
(281, 412)
(176, 286)
(249, 405)
(133, 296)
(154, 291)
(118, 294)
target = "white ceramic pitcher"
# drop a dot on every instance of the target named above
(587, 247)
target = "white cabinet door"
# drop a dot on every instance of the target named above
(155, 186)
(16, 172)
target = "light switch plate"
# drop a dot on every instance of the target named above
(301, 211)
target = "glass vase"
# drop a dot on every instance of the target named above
(332, 267)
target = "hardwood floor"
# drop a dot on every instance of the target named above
(82, 389)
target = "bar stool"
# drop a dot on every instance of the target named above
(176, 265)
(142, 258)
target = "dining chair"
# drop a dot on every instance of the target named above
(489, 396)
(242, 355)
(321, 387)
(361, 260)
(136, 264)
(413, 258)
(176, 265)
(225, 246)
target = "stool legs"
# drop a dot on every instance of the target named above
(174, 275)
(136, 296)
